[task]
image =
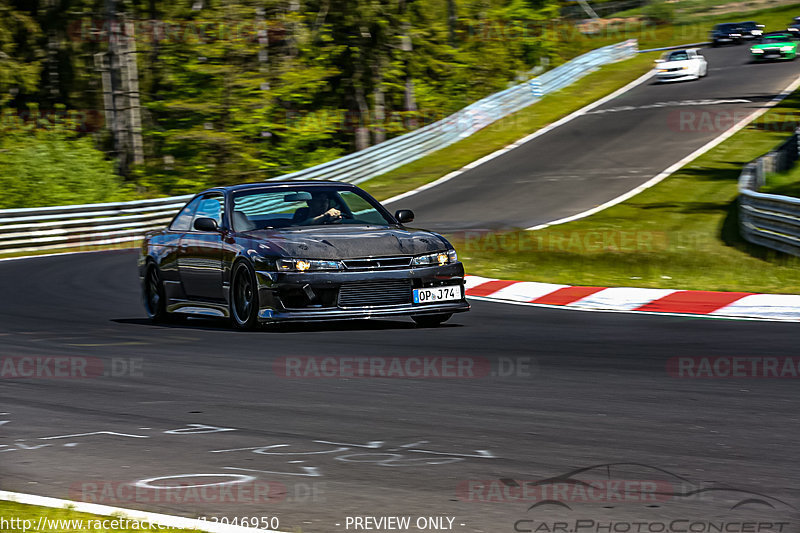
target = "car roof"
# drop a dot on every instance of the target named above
(686, 51)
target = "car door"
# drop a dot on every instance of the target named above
(200, 252)
(169, 247)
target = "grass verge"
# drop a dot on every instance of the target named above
(22, 518)
(680, 234)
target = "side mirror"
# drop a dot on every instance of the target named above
(760, 26)
(205, 224)
(659, 60)
(404, 215)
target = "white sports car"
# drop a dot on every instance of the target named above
(681, 65)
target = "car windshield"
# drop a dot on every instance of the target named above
(748, 25)
(727, 27)
(680, 55)
(305, 206)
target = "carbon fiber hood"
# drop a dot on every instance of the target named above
(343, 242)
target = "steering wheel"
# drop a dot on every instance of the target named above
(341, 218)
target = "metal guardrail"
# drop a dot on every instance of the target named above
(770, 220)
(49, 228)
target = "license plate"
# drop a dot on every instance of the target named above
(437, 294)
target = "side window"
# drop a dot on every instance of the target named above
(211, 206)
(183, 221)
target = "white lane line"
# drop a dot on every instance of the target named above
(659, 105)
(680, 164)
(520, 142)
(170, 521)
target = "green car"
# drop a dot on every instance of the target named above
(776, 45)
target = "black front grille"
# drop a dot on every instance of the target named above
(375, 293)
(377, 263)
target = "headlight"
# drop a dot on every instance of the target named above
(439, 258)
(303, 265)
(787, 48)
(757, 50)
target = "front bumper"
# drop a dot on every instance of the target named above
(773, 56)
(311, 296)
(270, 315)
(673, 76)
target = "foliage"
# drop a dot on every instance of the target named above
(659, 12)
(52, 166)
(244, 90)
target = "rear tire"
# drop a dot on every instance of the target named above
(431, 321)
(153, 296)
(244, 296)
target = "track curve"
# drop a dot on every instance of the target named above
(586, 388)
(604, 153)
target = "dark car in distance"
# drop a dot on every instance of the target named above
(297, 251)
(726, 33)
(751, 30)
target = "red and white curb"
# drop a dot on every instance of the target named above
(745, 305)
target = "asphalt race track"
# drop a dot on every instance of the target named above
(605, 153)
(544, 392)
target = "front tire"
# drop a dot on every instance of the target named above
(431, 321)
(244, 297)
(153, 296)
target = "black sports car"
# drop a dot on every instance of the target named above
(726, 33)
(298, 251)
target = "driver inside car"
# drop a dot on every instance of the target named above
(320, 210)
